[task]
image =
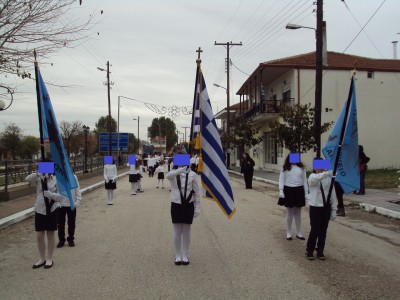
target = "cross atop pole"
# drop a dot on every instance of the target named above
(199, 51)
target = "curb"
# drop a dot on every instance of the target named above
(380, 210)
(257, 178)
(367, 207)
(22, 215)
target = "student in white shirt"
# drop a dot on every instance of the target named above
(184, 207)
(293, 188)
(133, 176)
(65, 210)
(46, 207)
(140, 168)
(321, 211)
(110, 177)
(160, 171)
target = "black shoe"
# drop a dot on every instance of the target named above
(60, 244)
(35, 266)
(49, 266)
(289, 238)
(300, 237)
(185, 262)
(310, 256)
(320, 255)
(178, 262)
(71, 243)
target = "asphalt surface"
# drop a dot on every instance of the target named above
(125, 251)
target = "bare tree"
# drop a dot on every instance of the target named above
(68, 130)
(36, 24)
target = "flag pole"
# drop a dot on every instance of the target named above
(198, 61)
(339, 151)
(39, 105)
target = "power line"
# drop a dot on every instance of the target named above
(364, 26)
(239, 69)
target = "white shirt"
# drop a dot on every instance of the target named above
(315, 196)
(132, 169)
(160, 169)
(110, 172)
(295, 177)
(192, 160)
(76, 196)
(151, 162)
(192, 185)
(40, 206)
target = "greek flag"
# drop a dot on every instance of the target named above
(62, 169)
(214, 178)
(348, 170)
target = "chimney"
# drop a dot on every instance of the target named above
(324, 46)
(394, 49)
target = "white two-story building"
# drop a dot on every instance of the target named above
(291, 80)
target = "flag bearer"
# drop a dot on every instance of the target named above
(322, 210)
(47, 207)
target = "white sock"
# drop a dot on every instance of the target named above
(297, 219)
(177, 236)
(162, 182)
(289, 219)
(139, 184)
(185, 242)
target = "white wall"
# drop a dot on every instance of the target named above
(378, 107)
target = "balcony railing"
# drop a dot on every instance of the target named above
(268, 107)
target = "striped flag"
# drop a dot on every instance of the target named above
(62, 169)
(214, 177)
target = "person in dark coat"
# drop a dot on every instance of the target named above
(247, 169)
(363, 160)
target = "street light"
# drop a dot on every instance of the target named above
(109, 105)
(2, 103)
(217, 85)
(85, 131)
(296, 26)
(320, 60)
(138, 139)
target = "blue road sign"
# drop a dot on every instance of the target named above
(104, 142)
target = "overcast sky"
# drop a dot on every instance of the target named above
(151, 45)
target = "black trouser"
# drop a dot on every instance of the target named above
(248, 178)
(319, 220)
(66, 211)
(339, 195)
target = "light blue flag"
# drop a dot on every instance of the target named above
(214, 177)
(348, 170)
(62, 169)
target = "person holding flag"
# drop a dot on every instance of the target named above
(47, 207)
(322, 209)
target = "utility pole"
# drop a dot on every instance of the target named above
(186, 127)
(318, 77)
(109, 109)
(228, 45)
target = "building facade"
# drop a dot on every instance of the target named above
(291, 80)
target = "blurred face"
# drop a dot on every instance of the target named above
(244, 156)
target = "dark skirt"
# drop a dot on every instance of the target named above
(47, 222)
(294, 196)
(182, 213)
(133, 177)
(161, 175)
(111, 185)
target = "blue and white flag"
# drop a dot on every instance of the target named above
(62, 169)
(348, 170)
(214, 177)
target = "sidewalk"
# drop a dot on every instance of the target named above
(16, 210)
(378, 201)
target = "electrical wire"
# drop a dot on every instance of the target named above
(364, 26)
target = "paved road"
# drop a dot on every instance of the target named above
(125, 252)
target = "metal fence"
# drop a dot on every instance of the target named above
(13, 172)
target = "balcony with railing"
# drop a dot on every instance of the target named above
(268, 108)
